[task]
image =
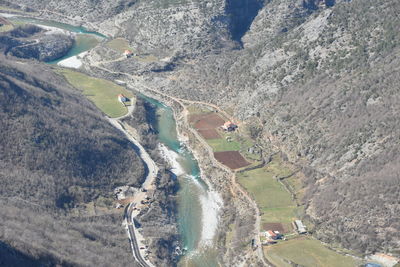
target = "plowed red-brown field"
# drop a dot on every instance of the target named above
(232, 159)
(206, 124)
(209, 134)
(207, 121)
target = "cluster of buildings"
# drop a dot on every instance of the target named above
(128, 53)
(272, 236)
(229, 126)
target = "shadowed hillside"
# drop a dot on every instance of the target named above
(318, 79)
(57, 156)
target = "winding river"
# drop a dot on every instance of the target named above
(198, 206)
(84, 41)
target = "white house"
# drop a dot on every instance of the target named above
(122, 98)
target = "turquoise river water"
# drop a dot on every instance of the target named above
(197, 206)
(193, 196)
(85, 40)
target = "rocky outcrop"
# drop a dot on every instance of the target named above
(46, 48)
(59, 161)
(320, 76)
(30, 41)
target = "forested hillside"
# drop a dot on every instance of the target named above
(57, 156)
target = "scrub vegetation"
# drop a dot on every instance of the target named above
(58, 157)
(320, 78)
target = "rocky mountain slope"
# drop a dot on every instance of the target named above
(324, 84)
(29, 41)
(321, 77)
(322, 80)
(59, 163)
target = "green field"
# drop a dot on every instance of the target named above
(273, 199)
(196, 109)
(222, 145)
(306, 252)
(119, 45)
(238, 143)
(295, 186)
(101, 92)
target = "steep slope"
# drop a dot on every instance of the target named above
(320, 76)
(57, 156)
(29, 41)
(324, 83)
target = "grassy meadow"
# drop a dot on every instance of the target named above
(221, 144)
(101, 92)
(306, 252)
(274, 201)
(119, 45)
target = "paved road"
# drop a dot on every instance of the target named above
(148, 184)
(151, 165)
(132, 237)
(182, 102)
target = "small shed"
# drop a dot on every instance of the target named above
(301, 228)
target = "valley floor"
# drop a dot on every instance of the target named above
(258, 177)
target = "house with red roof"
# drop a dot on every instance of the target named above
(123, 99)
(229, 126)
(128, 53)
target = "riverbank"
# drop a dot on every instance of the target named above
(242, 207)
(237, 211)
(218, 178)
(196, 200)
(154, 215)
(237, 244)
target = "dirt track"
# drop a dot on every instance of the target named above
(236, 189)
